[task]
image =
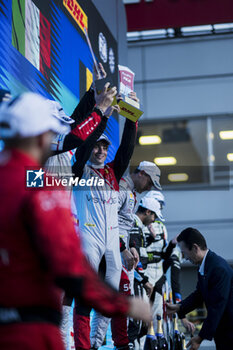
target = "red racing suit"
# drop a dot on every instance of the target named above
(40, 254)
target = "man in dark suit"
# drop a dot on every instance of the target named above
(214, 288)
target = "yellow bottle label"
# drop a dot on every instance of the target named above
(184, 343)
(159, 327)
(175, 324)
(151, 329)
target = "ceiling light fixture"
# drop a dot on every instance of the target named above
(226, 134)
(149, 140)
(178, 177)
(165, 160)
(230, 157)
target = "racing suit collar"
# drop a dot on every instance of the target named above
(138, 221)
(95, 166)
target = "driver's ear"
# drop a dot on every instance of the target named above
(140, 173)
(195, 247)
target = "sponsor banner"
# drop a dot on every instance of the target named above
(44, 49)
(77, 13)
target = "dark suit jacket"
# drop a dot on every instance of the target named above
(215, 289)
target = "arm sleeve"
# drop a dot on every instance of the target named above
(125, 151)
(135, 238)
(174, 263)
(83, 131)
(218, 294)
(83, 153)
(58, 248)
(192, 302)
(167, 253)
(85, 106)
(122, 245)
(139, 269)
(135, 241)
(122, 197)
(86, 121)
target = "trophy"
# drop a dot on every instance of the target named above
(129, 108)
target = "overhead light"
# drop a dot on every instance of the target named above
(184, 31)
(149, 140)
(223, 27)
(178, 177)
(165, 160)
(226, 135)
(230, 157)
(157, 32)
(204, 29)
(131, 1)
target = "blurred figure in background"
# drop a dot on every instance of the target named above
(144, 178)
(147, 212)
(162, 256)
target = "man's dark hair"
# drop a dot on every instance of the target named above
(190, 236)
(103, 141)
(141, 210)
(136, 171)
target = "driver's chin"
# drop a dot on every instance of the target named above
(142, 189)
(192, 261)
(98, 161)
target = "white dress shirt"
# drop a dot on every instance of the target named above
(202, 267)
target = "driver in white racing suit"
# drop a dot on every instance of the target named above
(145, 177)
(161, 257)
(97, 212)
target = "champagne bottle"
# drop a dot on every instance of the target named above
(165, 318)
(177, 341)
(170, 338)
(162, 342)
(183, 342)
(151, 340)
